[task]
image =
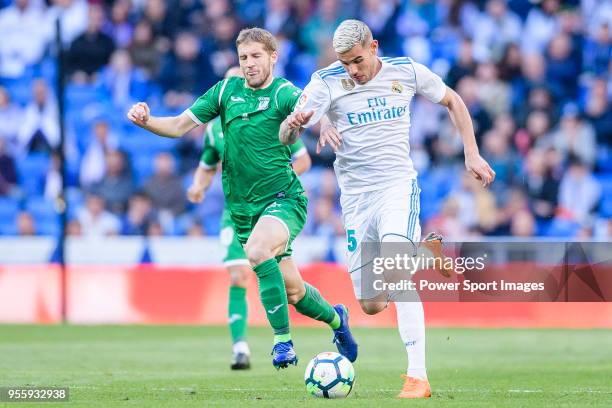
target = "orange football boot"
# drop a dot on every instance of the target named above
(414, 388)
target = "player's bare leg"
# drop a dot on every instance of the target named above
(237, 315)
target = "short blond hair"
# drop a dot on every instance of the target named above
(258, 35)
(350, 33)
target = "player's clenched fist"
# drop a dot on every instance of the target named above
(139, 113)
(195, 194)
(297, 119)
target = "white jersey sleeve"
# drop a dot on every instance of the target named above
(316, 97)
(428, 84)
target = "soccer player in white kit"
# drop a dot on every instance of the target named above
(366, 100)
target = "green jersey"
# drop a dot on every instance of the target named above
(256, 167)
(212, 152)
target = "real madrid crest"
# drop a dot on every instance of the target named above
(396, 87)
(348, 84)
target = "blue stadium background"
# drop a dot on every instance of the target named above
(534, 74)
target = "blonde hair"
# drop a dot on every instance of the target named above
(258, 35)
(350, 33)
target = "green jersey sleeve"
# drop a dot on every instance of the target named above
(287, 96)
(207, 106)
(210, 154)
(297, 149)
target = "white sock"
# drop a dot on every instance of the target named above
(411, 326)
(241, 347)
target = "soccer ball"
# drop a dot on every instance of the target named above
(329, 375)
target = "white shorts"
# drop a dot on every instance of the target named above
(388, 215)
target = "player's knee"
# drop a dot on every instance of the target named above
(239, 276)
(372, 308)
(295, 294)
(257, 253)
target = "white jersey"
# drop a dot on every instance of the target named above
(373, 119)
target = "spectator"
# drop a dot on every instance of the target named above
(116, 187)
(561, 69)
(39, 130)
(598, 50)
(496, 28)
(599, 112)
(93, 164)
(447, 222)
(119, 28)
(535, 132)
(540, 27)
(496, 150)
(183, 71)
(25, 224)
(95, 221)
(53, 180)
(541, 185)
(144, 50)
(165, 187)
(523, 224)
(220, 48)
(139, 215)
(492, 93)
(279, 18)
(23, 38)
(74, 229)
(125, 83)
(579, 193)
(72, 15)
(10, 119)
(316, 32)
(156, 14)
(91, 50)
(465, 65)
(196, 229)
(326, 221)
(381, 17)
(509, 66)
(574, 136)
(8, 173)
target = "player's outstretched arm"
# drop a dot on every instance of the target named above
(459, 114)
(201, 181)
(291, 127)
(173, 126)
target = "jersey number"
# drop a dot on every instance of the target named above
(352, 241)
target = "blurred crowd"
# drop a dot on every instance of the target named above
(534, 74)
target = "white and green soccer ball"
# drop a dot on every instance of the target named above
(329, 375)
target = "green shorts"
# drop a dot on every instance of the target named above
(234, 253)
(290, 211)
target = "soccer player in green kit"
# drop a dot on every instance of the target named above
(235, 260)
(262, 192)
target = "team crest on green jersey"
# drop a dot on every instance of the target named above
(264, 102)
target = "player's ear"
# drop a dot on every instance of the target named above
(274, 57)
(374, 47)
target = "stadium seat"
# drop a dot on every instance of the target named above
(8, 208)
(31, 173)
(42, 210)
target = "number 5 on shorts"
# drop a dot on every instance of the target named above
(352, 241)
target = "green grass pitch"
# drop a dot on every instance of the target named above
(176, 366)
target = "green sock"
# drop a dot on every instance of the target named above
(273, 296)
(313, 305)
(237, 313)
